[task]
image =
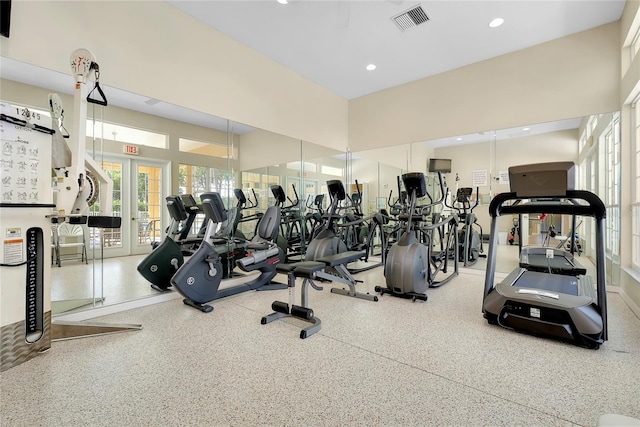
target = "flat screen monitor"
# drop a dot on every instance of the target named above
(440, 165)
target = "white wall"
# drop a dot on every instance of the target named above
(153, 49)
(569, 77)
(553, 146)
(259, 149)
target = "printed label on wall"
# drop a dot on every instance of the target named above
(480, 178)
(504, 177)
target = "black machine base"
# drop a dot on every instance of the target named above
(407, 295)
(161, 289)
(561, 331)
(202, 307)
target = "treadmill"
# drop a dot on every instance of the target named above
(551, 296)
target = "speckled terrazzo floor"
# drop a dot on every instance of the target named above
(391, 362)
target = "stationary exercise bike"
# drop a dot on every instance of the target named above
(161, 264)
(198, 279)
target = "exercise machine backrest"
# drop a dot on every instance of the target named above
(269, 224)
(542, 179)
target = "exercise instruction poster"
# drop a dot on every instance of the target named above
(480, 178)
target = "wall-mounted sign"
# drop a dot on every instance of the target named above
(131, 149)
(504, 177)
(480, 178)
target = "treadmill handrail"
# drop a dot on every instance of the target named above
(594, 208)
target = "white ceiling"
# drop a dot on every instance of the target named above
(331, 42)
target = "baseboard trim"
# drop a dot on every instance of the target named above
(117, 308)
(627, 299)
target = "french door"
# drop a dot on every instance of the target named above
(139, 190)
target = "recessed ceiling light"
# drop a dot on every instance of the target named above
(371, 67)
(496, 22)
(283, 1)
(525, 128)
(458, 139)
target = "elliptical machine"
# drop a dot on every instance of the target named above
(411, 265)
(326, 241)
(198, 280)
(469, 240)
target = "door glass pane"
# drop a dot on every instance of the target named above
(149, 207)
(112, 237)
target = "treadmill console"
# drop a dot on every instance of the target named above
(542, 179)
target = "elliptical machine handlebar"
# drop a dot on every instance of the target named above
(432, 202)
(292, 203)
(243, 202)
(281, 197)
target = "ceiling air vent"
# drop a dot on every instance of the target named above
(410, 18)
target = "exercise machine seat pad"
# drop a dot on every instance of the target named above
(341, 258)
(307, 268)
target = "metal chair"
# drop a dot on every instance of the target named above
(70, 236)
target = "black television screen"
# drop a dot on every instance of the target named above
(440, 165)
(5, 17)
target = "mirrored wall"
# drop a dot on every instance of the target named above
(481, 161)
(151, 148)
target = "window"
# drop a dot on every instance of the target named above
(209, 149)
(635, 221)
(196, 180)
(298, 166)
(261, 184)
(635, 45)
(612, 184)
(125, 134)
(329, 170)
